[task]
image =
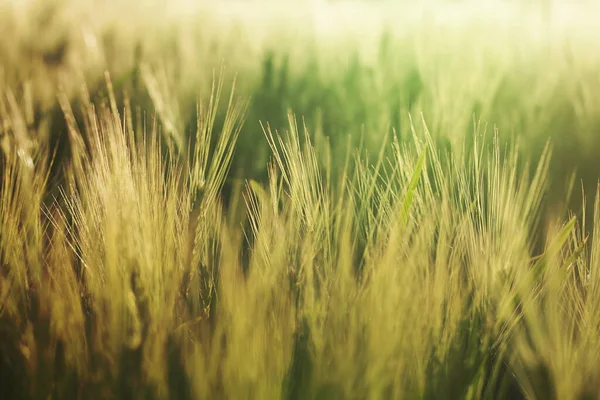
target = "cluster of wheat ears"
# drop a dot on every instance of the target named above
(414, 277)
(133, 266)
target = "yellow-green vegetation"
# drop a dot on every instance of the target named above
(384, 203)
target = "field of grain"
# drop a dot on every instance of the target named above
(299, 199)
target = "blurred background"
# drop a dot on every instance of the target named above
(352, 71)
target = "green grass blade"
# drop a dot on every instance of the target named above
(412, 187)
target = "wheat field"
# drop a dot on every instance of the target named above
(299, 200)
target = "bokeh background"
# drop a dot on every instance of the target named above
(351, 70)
